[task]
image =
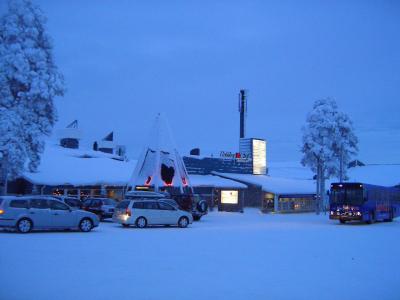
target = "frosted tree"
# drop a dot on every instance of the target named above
(29, 82)
(329, 143)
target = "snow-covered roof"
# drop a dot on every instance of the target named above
(214, 181)
(379, 174)
(276, 185)
(289, 169)
(386, 175)
(79, 167)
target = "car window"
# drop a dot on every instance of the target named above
(72, 202)
(87, 202)
(123, 204)
(138, 205)
(165, 206)
(19, 203)
(96, 203)
(150, 205)
(109, 202)
(58, 205)
(39, 203)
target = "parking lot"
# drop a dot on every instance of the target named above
(224, 256)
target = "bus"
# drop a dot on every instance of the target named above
(355, 201)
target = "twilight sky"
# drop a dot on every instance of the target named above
(125, 61)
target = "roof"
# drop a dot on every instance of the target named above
(276, 185)
(84, 167)
(214, 181)
(379, 174)
(80, 167)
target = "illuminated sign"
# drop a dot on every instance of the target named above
(237, 155)
(259, 157)
(229, 197)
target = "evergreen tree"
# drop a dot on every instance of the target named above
(329, 143)
(29, 82)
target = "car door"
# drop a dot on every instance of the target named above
(95, 207)
(168, 214)
(61, 215)
(39, 212)
(151, 212)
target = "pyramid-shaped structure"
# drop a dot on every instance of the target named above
(160, 167)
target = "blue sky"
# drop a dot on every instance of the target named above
(125, 61)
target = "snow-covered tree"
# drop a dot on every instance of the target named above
(329, 143)
(29, 82)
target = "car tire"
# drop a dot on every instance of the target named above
(125, 225)
(342, 221)
(196, 218)
(202, 206)
(85, 225)
(141, 222)
(24, 225)
(183, 222)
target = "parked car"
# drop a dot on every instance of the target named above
(28, 213)
(70, 201)
(142, 213)
(103, 207)
(192, 203)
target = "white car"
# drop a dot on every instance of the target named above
(142, 213)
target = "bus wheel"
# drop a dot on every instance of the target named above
(390, 217)
(342, 221)
(371, 218)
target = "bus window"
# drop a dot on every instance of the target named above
(354, 196)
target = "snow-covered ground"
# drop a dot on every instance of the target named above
(225, 256)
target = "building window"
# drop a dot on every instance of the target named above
(229, 197)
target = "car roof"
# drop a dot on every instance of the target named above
(147, 199)
(145, 194)
(27, 197)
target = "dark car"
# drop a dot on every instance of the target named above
(103, 207)
(71, 201)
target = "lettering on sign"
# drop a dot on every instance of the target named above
(237, 155)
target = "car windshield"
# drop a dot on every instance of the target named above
(72, 202)
(109, 202)
(123, 204)
(347, 196)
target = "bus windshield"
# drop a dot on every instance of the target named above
(347, 196)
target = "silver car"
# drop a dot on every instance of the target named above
(142, 213)
(27, 213)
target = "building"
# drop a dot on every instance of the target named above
(276, 194)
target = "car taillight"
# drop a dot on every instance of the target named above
(1, 211)
(128, 212)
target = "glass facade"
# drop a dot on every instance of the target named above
(259, 154)
(296, 203)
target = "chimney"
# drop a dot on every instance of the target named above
(243, 112)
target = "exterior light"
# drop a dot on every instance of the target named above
(1, 211)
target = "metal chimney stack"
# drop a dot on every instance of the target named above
(243, 112)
